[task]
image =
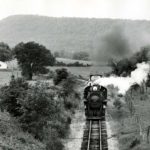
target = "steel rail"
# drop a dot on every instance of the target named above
(89, 136)
(100, 136)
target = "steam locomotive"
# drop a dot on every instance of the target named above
(95, 100)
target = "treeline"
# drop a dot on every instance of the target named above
(125, 66)
(33, 58)
(81, 55)
(75, 64)
(42, 110)
(6, 53)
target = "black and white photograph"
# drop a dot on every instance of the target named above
(74, 74)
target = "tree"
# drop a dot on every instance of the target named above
(33, 58)
(143, 55)
(5, 52)
(81, 55)
(125, 66)
(56, 54)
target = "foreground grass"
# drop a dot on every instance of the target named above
(132, 121)
(13, 138)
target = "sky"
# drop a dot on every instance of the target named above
(123, 9)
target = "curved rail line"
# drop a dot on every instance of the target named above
(95, 135)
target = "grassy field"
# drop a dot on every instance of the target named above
(85, 71)
(5, 76)
(13, 64)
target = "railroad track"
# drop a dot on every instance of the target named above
(95, 135)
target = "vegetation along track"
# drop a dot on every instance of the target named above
(95, 135)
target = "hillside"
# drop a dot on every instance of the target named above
(56, 33)
(74, 34)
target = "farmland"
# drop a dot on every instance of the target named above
(6, 75)
(83, 71)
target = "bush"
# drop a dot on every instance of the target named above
(69, 93)
(53, 141)
(32, 105)
(117, 103)
(41, 110)
(38, 106)
(61, 74)
(9, 96)
(51, 74)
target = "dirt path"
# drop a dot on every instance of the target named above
(110, 124)
(112, 141)
(76, 132)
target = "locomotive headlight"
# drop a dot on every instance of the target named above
(95, 88)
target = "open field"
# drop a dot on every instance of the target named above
(6, 75)
(85, 71)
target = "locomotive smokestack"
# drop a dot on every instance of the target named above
(138, 76)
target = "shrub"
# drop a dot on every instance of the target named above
(51, 74)
(32, 105)
(9, 96)
(117, 104)
(69, 93)
(53, 141)
(61, 74)
(41, 110)
(38, 106)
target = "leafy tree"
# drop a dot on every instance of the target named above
(33, 58)
(56, 54)
(142, 55)
(113, 64)
(125, 66)
(81, 55)
(5, 52)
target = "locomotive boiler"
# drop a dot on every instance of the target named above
(95, 101)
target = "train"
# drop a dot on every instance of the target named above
(95, 101)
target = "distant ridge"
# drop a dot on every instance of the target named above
(69, 34)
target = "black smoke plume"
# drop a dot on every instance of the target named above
(113, 44)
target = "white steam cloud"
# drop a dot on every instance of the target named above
(124, 83)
